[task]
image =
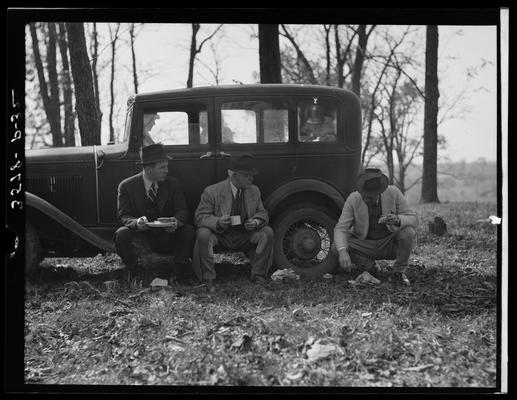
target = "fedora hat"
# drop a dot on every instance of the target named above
(243, 163)
(152, 153)
(371, 182)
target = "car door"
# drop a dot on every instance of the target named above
(182, 126)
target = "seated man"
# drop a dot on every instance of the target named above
(376, 224)
(145, 197)
(231, 214)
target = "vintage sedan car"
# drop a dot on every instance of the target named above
(306, 140)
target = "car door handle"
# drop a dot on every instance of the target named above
(208, 154)
(223, 154)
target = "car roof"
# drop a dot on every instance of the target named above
(257, 89)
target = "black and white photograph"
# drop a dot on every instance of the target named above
(266, 200)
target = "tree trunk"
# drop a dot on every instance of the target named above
(429, 174)
(89, 124)
(95, 56)
(133, 56)
(48, 104)
(67, 88)
(269, 54)
(112, 81)
(327, 53)
(193, 52)
(339, 61)
(54, 107)
(359, 59)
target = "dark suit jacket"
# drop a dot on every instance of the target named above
(131, 200)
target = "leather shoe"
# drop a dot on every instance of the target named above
(400, 278)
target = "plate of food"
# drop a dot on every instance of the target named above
(159, 224)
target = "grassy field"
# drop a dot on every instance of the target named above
(439, 332)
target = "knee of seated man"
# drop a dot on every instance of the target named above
(408, 234)
(123, 234)
(203, 235)
(268, 231)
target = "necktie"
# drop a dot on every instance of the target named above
(239, 205)
(236, 209)
(152, 192)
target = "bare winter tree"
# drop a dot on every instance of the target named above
(215, 70)
(94, 51)
(371, 98)
(67, 87)
(50, 102)
(360, 54)
(304, 67)
(89, 123)
(195, 50)
(429, 178)
(132, 37)
(113, 39)
(269, 54)
(327, 29)
(343, 53)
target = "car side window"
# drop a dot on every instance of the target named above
(175, 127)
(255, 121)
(317, 120)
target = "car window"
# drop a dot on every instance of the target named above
(175, 127)
(317, 120)
(255, 121)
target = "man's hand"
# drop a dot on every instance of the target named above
(345, 262)
(390, 219)
(224, 222)
(141, 223)
(251, 224)
(172, 228)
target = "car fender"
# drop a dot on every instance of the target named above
(66, 221)
(303, 185)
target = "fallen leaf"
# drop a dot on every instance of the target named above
(295, 375)
(419, 368)
(320, 350)
(243, 343)
(158, 282)
(299, 314)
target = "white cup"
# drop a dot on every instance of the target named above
(236, 219)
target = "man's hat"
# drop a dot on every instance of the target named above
(371, 182)
(243, 163)
(153, 153)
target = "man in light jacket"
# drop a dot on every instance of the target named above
(231, 216)
(376, 224)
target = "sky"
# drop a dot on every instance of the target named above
(162, 59)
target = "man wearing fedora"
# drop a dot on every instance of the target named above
(144, 198)
(376, 223)
(231, 215)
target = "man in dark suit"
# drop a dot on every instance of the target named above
(231, 215)
(145, 197)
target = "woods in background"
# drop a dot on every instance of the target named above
(383, 65)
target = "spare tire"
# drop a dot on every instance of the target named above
(33, 254)
(303, 239)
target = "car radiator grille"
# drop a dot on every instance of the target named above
(62, 191)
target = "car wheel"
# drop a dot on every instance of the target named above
(32, 248)
(302, 241)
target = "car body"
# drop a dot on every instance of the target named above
(306, 141)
